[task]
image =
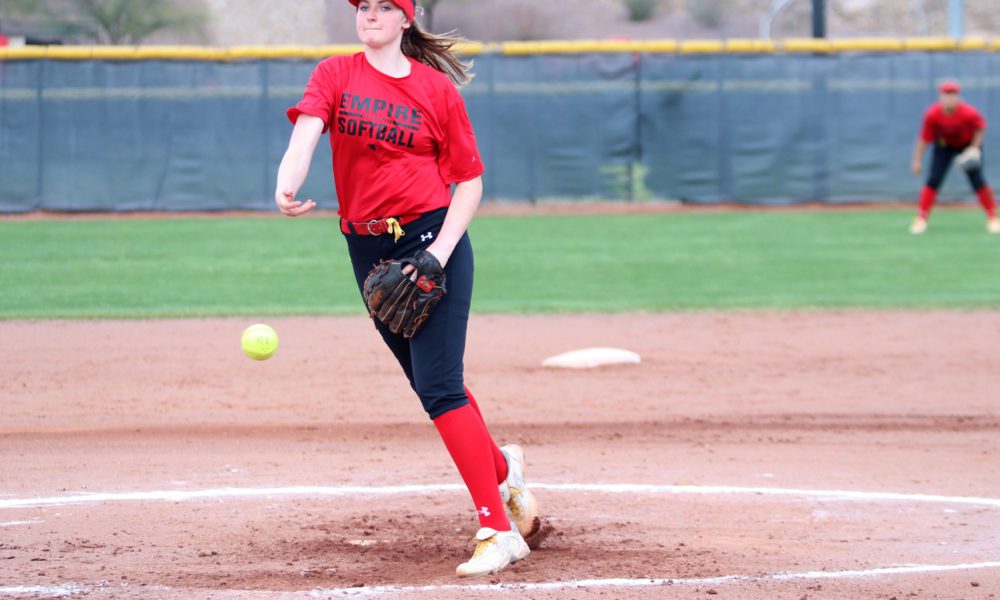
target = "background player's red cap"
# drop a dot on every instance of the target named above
(406, 5)
(949, 86)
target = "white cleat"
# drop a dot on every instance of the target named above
(993, 225)
(515, 493)
(495, 551)
(918, 226)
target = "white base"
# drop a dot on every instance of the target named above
(589, 358)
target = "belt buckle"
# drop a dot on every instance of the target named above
(369, 226)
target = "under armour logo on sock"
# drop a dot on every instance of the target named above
(427, 236)
(484, 511)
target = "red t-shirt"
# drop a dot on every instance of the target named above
(398, 143)
(955, 130)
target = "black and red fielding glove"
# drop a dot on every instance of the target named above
(405, 302)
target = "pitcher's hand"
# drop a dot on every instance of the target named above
(288, 205)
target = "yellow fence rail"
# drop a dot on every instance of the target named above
(666, 46)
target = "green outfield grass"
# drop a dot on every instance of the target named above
(281, 266)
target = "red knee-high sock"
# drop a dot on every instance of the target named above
(927, 197)
(468, 443)
(498, 460)
(989, 203)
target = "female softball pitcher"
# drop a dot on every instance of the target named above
(401, 137)
(956, 130)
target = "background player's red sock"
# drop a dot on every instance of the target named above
(927, 197)
(986, 198)
(468, 443)
(498, 460)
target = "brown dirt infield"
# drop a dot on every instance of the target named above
(901, 402)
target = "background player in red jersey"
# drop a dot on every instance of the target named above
(956, 130)
(401, 136)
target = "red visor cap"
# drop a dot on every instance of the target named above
(949, 87)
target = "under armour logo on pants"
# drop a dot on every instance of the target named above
(426, 237)
(485, 511)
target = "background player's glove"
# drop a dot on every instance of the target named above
(405, 302)
(970, 159)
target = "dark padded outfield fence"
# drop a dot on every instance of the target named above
(188, 129)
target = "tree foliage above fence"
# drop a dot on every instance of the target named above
(109, 21)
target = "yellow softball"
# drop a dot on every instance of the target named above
(259, 341)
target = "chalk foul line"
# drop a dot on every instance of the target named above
(71, 590)
(16, 523)
(416, 489)
(44, 591)
(622, 583)
(320, 491)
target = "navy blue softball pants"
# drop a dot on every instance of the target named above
(433, 359)
(941, 161)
